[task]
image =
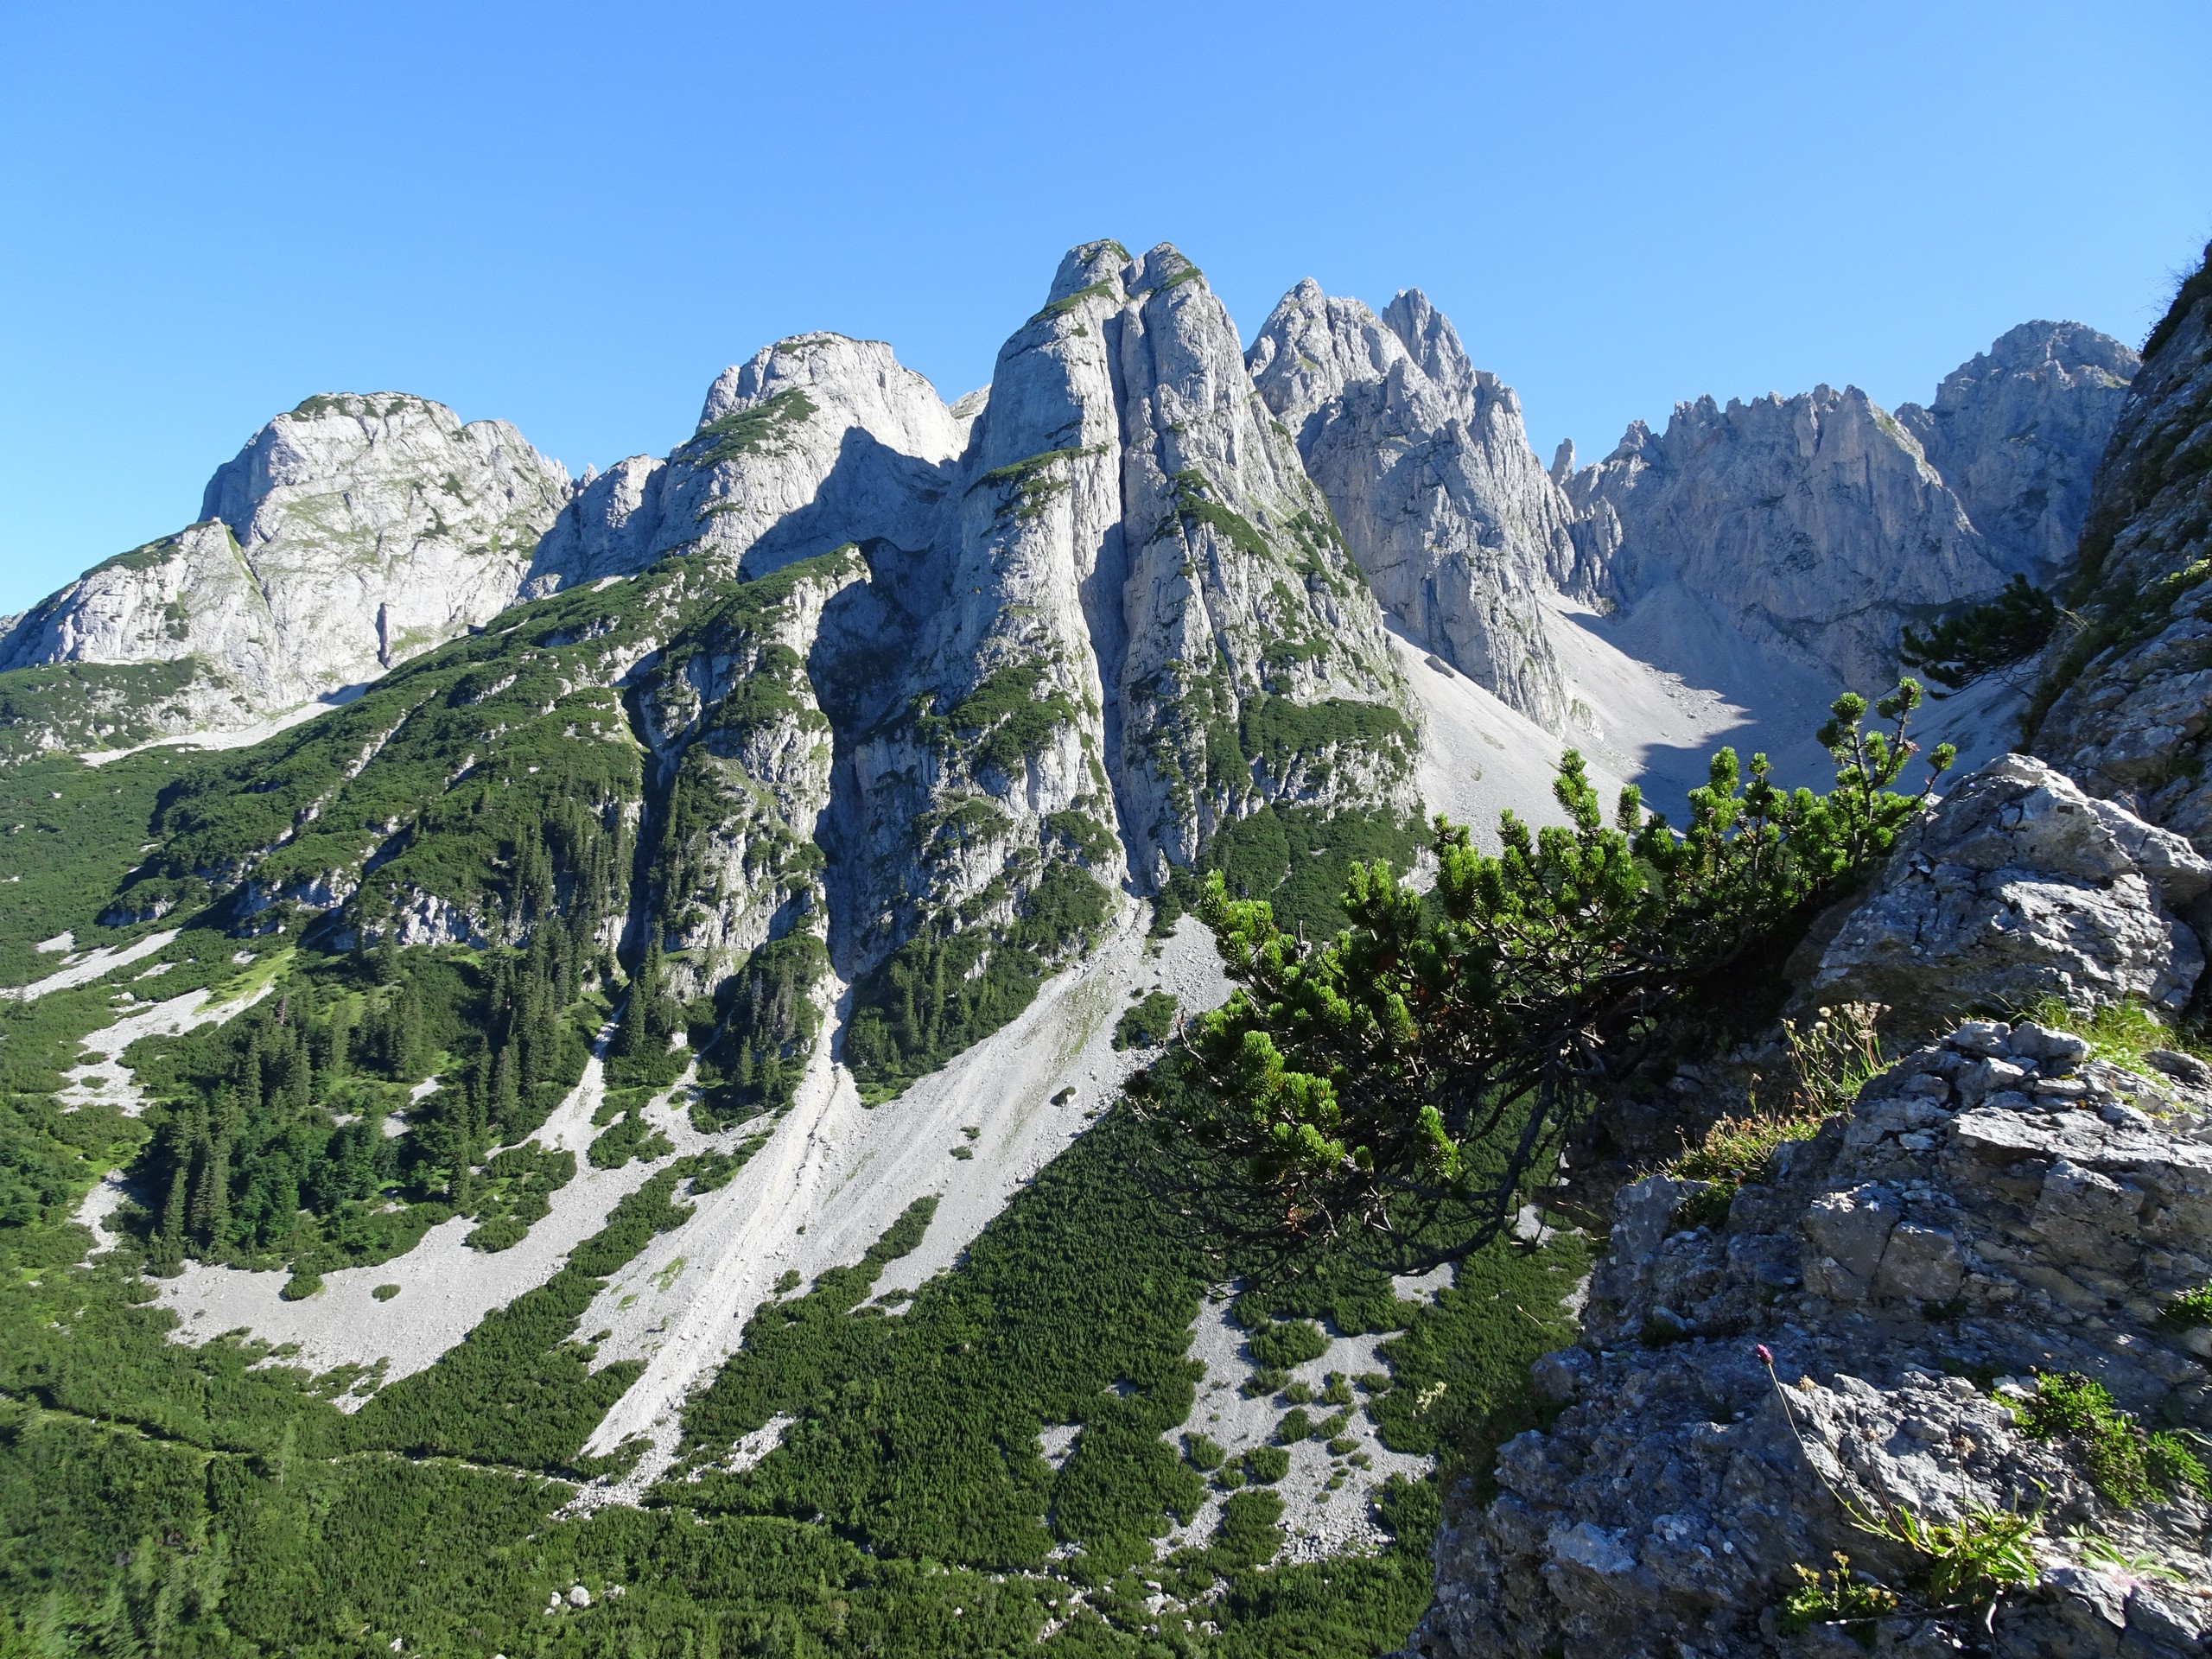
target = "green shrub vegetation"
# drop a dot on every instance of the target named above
(2191, 1308)
(1266, 1465)
(1295, 858)
(1348, 1079)
(1291, 1342)
(768, 1029)
(1984, 638)
(269, 1137)
(70, 708)
(2126, 1466)
(944, 991)
(69, 833)
(1148, 1023)
(762, 429)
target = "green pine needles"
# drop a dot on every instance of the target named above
(1526, 987)
(1979, 639)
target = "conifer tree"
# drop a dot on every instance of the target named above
(1338, 1083)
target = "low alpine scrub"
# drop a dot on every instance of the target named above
(1348, 1081)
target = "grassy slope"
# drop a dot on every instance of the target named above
(161, 1498)
(911, 1484)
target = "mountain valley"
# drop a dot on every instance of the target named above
(574, 1048)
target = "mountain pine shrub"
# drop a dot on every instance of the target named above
(1383, 1068)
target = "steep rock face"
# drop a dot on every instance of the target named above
(1063, 662)
(347, 536)
(2124, 703)
(1814, 523)
(731, 716)
(1257, 671)
(1135, 628)
(190, 592)
(816, 440)
(1426, 465)
(378, 526)
(2017, 433)
(1991, 1205)
(2020, 887)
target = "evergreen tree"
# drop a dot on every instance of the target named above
(1337, 1083)
(407, 1058)
(1981, 639)
(505, 1096)
(647, 1021)
(337, 1037)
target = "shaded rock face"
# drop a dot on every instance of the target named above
(2019, 887)
(1814, 523)
(1994, 1204)
(2128, 700)
(1108, 612)
(347, 536)
(2017, 433)
(1132, 625)
(816, 440)
(1425, 462)
(849, 672)
(746, 758)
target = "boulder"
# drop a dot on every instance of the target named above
(2017, 886)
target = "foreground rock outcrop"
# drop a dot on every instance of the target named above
(2018, 887)
(1993, 1206)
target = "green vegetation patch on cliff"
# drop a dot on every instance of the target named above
(1296, 858)
(765, 428)
(268, 1141)
(76, 707)
(769, 1024)
(69, 833)
(943, 991)
(1003, 721)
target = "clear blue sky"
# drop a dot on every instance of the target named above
(572, 217)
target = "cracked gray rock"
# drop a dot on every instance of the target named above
(2017, 886)
(2017, 433)
(1992, 1205)
(2130, 720)
(1428, 468)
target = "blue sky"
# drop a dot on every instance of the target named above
(571, 217)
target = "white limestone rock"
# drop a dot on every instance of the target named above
(2018, 886)
(348, 535)
(815, 441)
(378, 526)
(2017, 433)
(1132, 594)
(1811, 524)
(1425, 462)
